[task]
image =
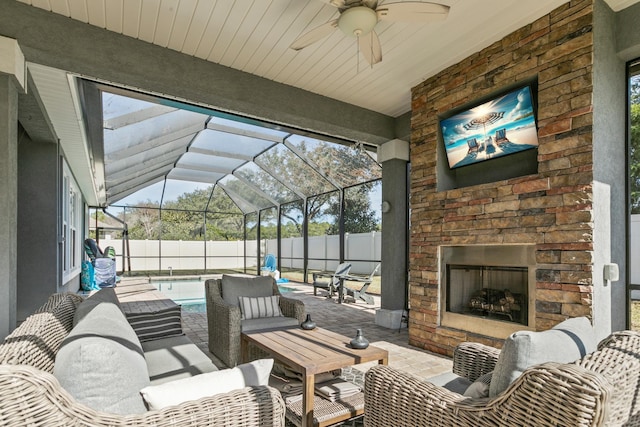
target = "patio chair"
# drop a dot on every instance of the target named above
(473, 145)
(361, 293)
(547, 384)
(333, 284)
(227, 320)
(501, 136)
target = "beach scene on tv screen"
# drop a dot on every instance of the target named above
(502, 126)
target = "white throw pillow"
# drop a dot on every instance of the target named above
(479, 388)
(258, 307)
(175, 392)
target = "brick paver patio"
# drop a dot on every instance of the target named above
(137, 294)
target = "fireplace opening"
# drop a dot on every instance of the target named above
(489, 292)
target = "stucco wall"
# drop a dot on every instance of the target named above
(609, 173)
(8, 197)
(37, 251)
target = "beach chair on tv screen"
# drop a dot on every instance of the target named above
(501, 136)
(473, 145)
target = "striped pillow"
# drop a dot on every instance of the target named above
(158, 324)
(255, 308)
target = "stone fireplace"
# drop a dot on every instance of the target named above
(538, 209)
(488, 289)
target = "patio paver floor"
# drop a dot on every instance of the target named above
(327, 313)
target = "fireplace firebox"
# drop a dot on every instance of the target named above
(488, 289)
(494, 292)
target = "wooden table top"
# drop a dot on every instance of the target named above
(314, 351)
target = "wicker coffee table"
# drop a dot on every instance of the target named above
(310, 353)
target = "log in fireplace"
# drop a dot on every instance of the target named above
(488, 289)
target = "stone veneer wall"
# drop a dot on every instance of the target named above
(552, 208)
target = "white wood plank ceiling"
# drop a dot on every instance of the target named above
(254, 36)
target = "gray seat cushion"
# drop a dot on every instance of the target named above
(238, 286)
(565, 343)
(248, 325)
(174, 358)
(101, 364)
(451, 382)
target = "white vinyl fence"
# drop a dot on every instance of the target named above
(165, 255)
(324, 251)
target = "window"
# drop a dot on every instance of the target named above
(71, 226)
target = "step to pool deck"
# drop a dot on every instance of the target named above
(137, 295)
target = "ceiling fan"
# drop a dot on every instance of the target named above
(359, 17)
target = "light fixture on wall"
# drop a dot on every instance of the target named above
(386, 207)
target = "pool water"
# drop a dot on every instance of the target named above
(190, 293)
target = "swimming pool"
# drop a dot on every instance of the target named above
(190, 293)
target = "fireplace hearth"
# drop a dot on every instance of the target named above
(488, 289)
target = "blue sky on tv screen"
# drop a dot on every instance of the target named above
(502, 126)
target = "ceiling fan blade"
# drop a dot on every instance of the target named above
(370, 47)
(412, 11)
(314, 35)
(336, 3)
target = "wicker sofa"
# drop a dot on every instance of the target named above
(225, 319)
(30, 393)
(599, 389)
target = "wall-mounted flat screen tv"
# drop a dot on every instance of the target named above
(505, 125)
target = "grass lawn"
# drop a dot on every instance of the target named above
(635, 315)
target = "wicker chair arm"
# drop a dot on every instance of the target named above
(32, 397)
(472, 360)
(551, 394)
(224, 323)
(292, 308)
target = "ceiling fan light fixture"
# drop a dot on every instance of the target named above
(357, 21)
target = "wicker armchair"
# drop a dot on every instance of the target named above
(31, 396)
(600, 389)
(225, 321)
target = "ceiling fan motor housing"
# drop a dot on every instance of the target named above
(357, 21)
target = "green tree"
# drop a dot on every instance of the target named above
(268, 223)
(332, 166)
(182, 225)
(292, 218)
(184, 218)
(359, 217)
(143, 221)
(225, 221)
